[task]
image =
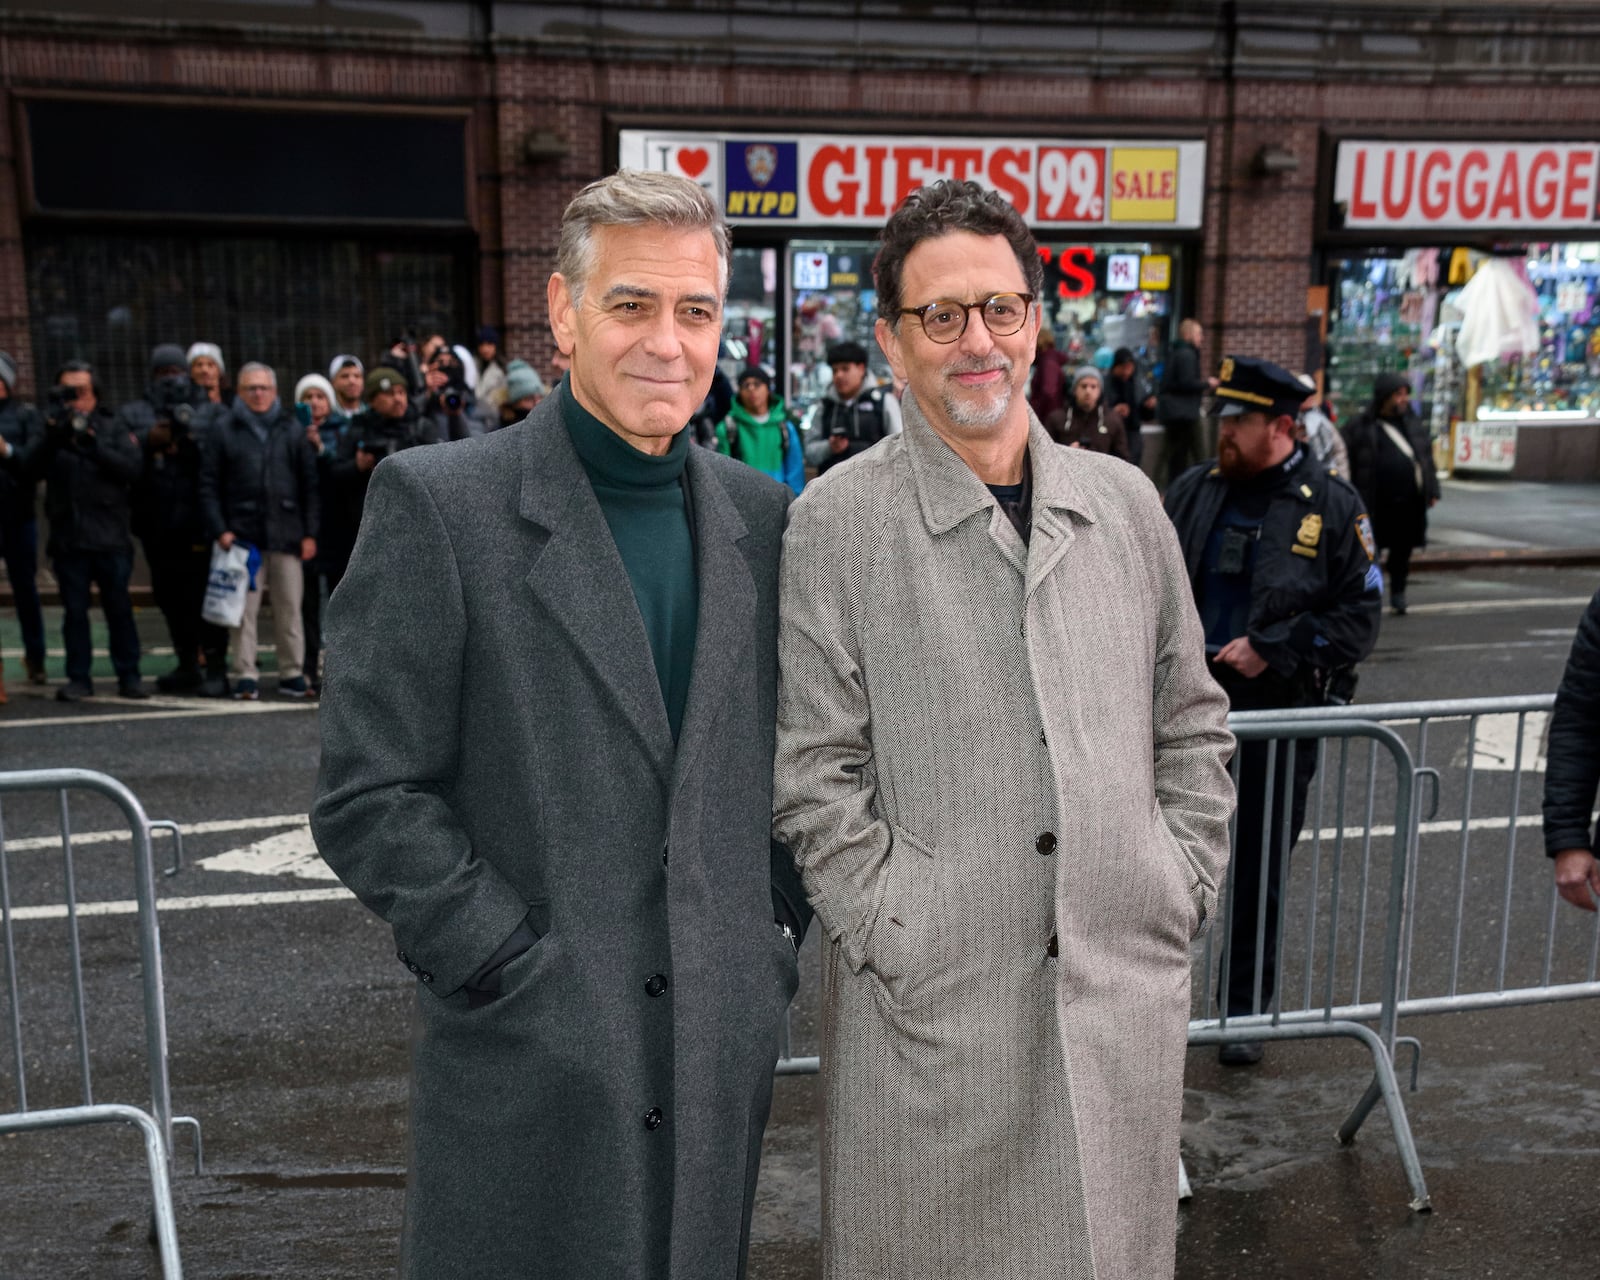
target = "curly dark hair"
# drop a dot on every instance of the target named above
(937, 210)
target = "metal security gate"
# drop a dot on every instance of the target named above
(155, 1124)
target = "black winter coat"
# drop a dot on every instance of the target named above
(166, 501)
(1132, 393)
(1182, 383)
(22, 426)
(89, 478)
(1572, 769)
(264, 493)
(1312, 611)
(344, 485)
(1363, 438)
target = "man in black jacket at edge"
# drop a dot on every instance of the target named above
(1279, 554)
(1572, 770)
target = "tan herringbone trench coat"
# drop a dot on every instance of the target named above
(984, 745)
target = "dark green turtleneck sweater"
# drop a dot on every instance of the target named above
(642, 497)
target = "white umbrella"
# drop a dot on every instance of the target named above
(1500, 315)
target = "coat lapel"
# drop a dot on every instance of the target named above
(727, 609)
(579, 579)
(949, 493)
(1058, 499)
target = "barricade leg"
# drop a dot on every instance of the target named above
(155, 1150)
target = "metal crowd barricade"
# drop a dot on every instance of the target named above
(155, 1125)
(1485, 929)
(1341, 907)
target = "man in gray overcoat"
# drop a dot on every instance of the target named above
(547, 747)
(1002, 768)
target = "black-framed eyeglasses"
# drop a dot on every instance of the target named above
(946, 320)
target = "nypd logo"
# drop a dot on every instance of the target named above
(763, 179)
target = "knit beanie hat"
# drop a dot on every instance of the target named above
(169, 355)
(342, 361)
(320, 383)
(8, 371)
(199, 349)
(382, 379)
(1087, 371)
(1385, 385)
(522, 380)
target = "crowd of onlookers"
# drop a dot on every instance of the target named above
(208, 457)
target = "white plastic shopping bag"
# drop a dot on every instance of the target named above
(228, 585)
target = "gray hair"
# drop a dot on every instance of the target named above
(635, 198)
(254, 365)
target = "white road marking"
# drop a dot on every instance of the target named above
(1500, 606)
(188, 712)
(207, 902)
(1495, 748)
(289, 853)
(1402, 647)
(217, 826)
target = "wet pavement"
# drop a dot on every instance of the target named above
(288, 1022)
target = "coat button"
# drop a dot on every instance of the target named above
(1053, 947)
(653, 1118)
(412, 966)
(664, 852)
(655, 985)
(1046, 843)
(425, 976)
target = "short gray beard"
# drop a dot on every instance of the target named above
(966, 413)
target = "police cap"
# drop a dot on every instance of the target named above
(1248, 385)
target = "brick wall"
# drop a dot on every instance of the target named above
(1258, 236)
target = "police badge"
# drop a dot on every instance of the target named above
(761, 162)
(1364, 531)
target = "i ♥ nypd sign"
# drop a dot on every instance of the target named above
(857, 181)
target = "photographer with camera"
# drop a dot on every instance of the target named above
(448, 401)
(390, 424)
(20, 429)
(89, 464)
(170, 422)
(258, 487)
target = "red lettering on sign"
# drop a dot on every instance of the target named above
(1574, 208)
(913, 164)
(1470, 206)
(1434, 196)
(1008, 172)
(1393, 208)
(827, 206)
(1077, 271)
(1542, 196)
(1508, 191)
(1360, 207)
(875, 208)
(960, 163)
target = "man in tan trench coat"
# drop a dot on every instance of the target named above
(1002, 769)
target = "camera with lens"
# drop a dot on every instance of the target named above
(62, 411)
(386, 441)
(172, 399)
(452, 399)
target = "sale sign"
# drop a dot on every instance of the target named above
(858, 181)
(1440, 185)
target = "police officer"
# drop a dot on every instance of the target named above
(857, 411)
(1280, 556)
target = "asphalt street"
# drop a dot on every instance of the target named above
(288, 1015)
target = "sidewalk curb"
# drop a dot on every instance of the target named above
(1495, 557)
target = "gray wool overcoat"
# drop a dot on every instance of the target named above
(495, 746)
(1002, 769)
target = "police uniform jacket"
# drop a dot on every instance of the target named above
(1315, 593)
